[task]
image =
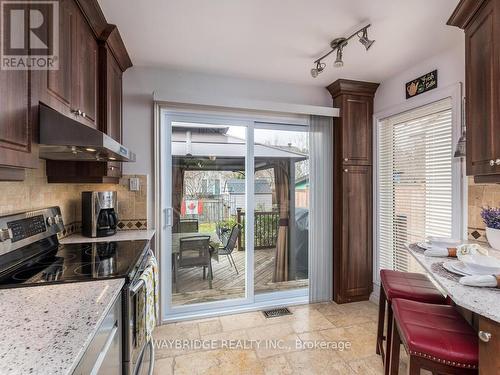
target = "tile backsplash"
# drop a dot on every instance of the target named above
(34, 192)
(480, 195)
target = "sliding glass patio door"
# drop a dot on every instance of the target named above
(231, 239)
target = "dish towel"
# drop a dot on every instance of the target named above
(151, 281)
(489, 281)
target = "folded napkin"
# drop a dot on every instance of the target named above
(435, 251)
(490, 281)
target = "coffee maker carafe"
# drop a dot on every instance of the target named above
(99, 213)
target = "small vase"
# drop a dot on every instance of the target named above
(493, 236)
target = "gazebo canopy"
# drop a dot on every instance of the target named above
(213, 149)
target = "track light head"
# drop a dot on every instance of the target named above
(338, 61)
(319, 68)
(365, 41)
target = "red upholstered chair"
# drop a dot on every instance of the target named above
(406, 285)
(436, 337)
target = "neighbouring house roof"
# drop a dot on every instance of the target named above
(212, 144)
(237, 186)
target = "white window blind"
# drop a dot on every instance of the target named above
(414, 180)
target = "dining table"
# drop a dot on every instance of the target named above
(214, 241)
(483, 303)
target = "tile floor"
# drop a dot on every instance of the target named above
(224, 337)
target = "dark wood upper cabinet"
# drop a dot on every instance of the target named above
(352, 195)
(481, 22)
(86, 79)
(73, 88)
(355, 101)
(15, 125)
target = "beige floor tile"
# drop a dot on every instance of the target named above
(169, 335)
(274, 339)
(218, 362)
(209, 327)
(164, 366)
(277, 365)
(361, 339)
(368, 366)
(242, 321)
(311, 322)
(342, 319)
(317, 362)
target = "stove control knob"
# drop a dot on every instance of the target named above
(57, 219)
(50, 221)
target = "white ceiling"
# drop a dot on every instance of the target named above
(278, 40)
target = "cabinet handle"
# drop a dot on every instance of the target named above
(84, 115)
(492, 163)
(346, 159)
(76, 112)
(346, 170)
(484, 336)
(497, 162)
(111, 168)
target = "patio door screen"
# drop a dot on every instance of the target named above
(415, 181)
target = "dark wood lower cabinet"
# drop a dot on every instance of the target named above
(353, 261)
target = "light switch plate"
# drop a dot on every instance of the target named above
(134, 184)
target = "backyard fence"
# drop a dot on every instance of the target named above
(265, 229)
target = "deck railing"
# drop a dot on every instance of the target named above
(265, 229)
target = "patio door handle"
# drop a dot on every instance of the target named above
(168, 217)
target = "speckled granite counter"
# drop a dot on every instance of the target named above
(122, 235)
(482, 301)
(46, 329)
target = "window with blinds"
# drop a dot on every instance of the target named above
(414, 180)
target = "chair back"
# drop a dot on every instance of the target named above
(188, 226)
(194, 251)
(222, 233)
(233, 238)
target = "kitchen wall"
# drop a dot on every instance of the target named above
(34, 192)
(451, 69)
(174, 85)
(480, 195)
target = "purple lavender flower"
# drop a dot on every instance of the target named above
(491, 217)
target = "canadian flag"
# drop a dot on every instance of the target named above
(192, 207)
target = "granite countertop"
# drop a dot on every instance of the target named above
(482, 301)
(46, 329)
(121, 235)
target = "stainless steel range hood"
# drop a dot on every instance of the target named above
(62, 138)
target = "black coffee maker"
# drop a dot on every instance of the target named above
(99, 213)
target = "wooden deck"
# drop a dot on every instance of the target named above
(226, 283)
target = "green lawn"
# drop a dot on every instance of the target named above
(206, 227)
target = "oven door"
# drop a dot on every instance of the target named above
(137, 324)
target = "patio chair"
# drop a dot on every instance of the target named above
(189, 226)
(195, 252)
(228, 248)
(222, 233)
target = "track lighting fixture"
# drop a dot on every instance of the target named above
(319, 68)
(338, 45)
(365, 41)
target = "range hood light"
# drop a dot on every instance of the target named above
(90, 149)
(111, 158)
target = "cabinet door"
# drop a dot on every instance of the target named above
(85, 97)
(113, 99)
(15, 121)
(59, 82)
(356, 254)
(489, 361)
(357, 130)
(483, 101)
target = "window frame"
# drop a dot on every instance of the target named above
(459, 180)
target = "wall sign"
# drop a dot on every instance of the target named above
(422, 84)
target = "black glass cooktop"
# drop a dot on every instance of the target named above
(77, 262)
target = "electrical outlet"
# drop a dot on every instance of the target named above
(134, 184)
